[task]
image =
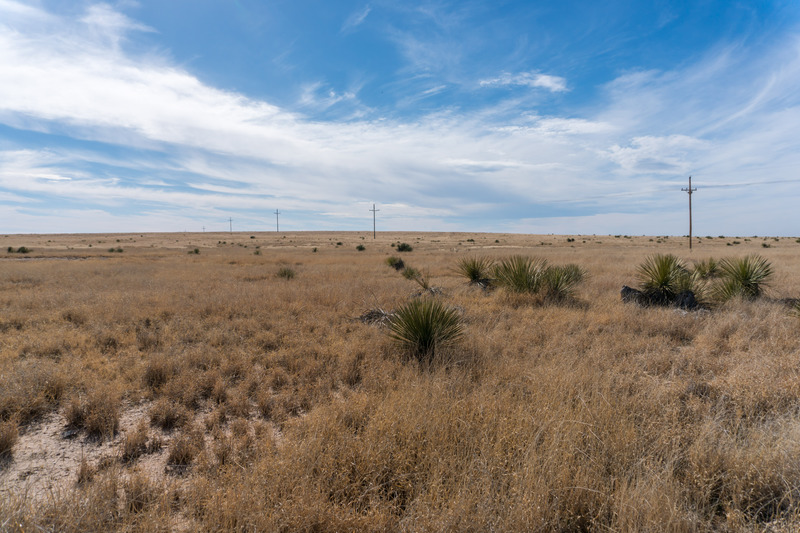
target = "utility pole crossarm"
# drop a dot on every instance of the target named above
(690, 191)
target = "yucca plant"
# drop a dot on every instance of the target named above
(706, 268)
(425, 325)
(744, 277)
(520, 274)
(476, 269)
(662, 277)
(560, 281)
(422, 278)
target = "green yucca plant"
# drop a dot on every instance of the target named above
(425, 325)
(520, 274)
(706, 268)
(560, 281)
(476, 269)
(662, 277)
(744, 277)
(423, 279)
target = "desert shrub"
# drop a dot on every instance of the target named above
(662, 277)
(520, 274)
(421, 278)
(425, 325)
(404, 247)
(195, 251)
(361, 247)
(395, 262)
(8, 437)
(560, 281)
(477, 270)
(20, 250)
(286, 273)
(744, 277)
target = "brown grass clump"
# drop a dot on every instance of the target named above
(8, 438)
(97, 412)
(278, 410)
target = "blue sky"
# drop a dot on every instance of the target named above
(507, 116)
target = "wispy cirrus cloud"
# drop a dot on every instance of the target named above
(534, 80)
(356, 19)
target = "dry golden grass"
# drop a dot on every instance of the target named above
(210, 393)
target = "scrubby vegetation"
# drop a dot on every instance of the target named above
(208, 394)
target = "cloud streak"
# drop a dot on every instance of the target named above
(533, 80)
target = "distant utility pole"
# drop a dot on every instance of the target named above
(373, 220)
(230, 220)
(277, 221)
(690, 191)
(204, 229)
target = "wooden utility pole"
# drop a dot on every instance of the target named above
(373, 220)
(230, 221)
(277, 221)
(690, 191)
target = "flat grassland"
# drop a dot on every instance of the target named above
(162, 382)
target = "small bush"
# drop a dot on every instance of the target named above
(662, 277)
(745, 277)
(404, 247)
(560, 281)
(286, 273)
(20, 250)
(196, 251)
(314, 249)
(477, 270)
(395, 262)
(520, 274)
(361, 248)
(425, 325)
(421, 278)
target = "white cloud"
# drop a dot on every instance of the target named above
(527, 79)
(356, 19)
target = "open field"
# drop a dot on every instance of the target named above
(146, 387)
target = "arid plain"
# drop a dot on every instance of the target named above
(177, 382)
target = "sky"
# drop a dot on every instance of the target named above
(569, 117)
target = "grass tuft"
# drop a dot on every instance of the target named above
(8, 438)
(286, 273)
